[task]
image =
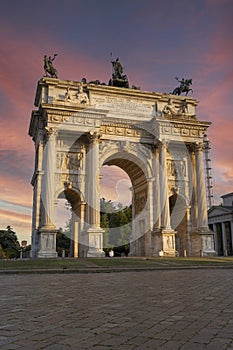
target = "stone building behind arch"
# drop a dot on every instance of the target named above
(157, 139)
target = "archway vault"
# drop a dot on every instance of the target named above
(132, 169)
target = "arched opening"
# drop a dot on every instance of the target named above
(179, 223)
(62, 223)
(136, 180)
(69, 218)
(115, 210)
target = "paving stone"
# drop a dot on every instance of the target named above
(179, 309)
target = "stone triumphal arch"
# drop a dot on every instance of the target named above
(155, 138)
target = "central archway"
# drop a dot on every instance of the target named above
(136, 167)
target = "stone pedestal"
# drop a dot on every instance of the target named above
(168, 239)
(47, 243)
(202, 243)
(157, 243)
(95, 235)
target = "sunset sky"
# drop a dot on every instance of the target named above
(156, 40)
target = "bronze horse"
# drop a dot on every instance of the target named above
(184, 87)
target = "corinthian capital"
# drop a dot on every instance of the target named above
(50, 132)
(199, 146)
(94, 136)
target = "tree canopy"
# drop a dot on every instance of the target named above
(116, 221)
(9, 244)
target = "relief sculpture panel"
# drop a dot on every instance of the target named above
(69, 161)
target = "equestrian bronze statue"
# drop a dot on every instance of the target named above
(184, 86)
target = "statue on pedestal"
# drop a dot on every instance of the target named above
(118, 78)
(184, 86)
(48, 66)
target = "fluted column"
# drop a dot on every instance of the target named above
(93, 184)
(150, 183)
(231, 223)
(39, 173)
(164, 200)
(75, 227)
(194, 209)
(201, 189)
(37, 183)
(189, 227)
(215, 237)
(95, 232)
(224, 239)
(157, 203)
(48, 230)
(83, 239)
(48, 179)
(156, 239)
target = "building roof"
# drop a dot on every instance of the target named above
(227, 195)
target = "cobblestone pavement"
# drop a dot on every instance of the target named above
(187, 309)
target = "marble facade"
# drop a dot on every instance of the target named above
(155, 138)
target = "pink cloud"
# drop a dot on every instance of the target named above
(20, 223)
(17, 192)
(115, 185)
(15, 217)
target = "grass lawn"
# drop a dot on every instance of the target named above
(73, 264)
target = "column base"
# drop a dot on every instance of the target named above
(46, 255)
(47, 238)
(202, 242)
(168, 241)
(95, 253)
(95, 235)
(156, 242)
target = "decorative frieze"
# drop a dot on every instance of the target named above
(75, 119)
(122, 130)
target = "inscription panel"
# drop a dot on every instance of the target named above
(123, 105)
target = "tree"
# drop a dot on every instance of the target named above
(2, 253)
(9, 243)
(116, 221)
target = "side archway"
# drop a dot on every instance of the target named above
(180, 222)
(78, 246)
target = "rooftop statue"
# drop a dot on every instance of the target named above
(48, 66)
(184, 86)
(118, 78)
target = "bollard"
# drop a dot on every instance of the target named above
(161, 253)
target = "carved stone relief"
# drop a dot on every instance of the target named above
(176, 168)
(171, 168)
(77, 97)
(69, 161)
